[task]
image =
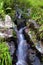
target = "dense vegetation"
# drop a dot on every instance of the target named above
(36, 13)
(9, 7)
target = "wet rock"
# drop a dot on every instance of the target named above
(31, 55)
(1, 23)
(37, 61)
(33, 58)
(5, 26)
(37, 43)
(8, 22)
(34, 23)
(11, 47)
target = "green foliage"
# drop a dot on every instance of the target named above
(29, 3)
(41, 31)
(36, 11)
(1, 9)
(5, 58)
(6, 7)
(37, 14)
(41, 28)
(35, 6)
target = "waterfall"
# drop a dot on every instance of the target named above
(22, 48)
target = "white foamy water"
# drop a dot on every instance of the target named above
(22, 49)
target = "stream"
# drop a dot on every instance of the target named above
(24, 53)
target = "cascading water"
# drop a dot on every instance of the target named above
(22, 48)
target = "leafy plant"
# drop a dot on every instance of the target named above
(41, 31)
(6, 7)
(5, 58)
